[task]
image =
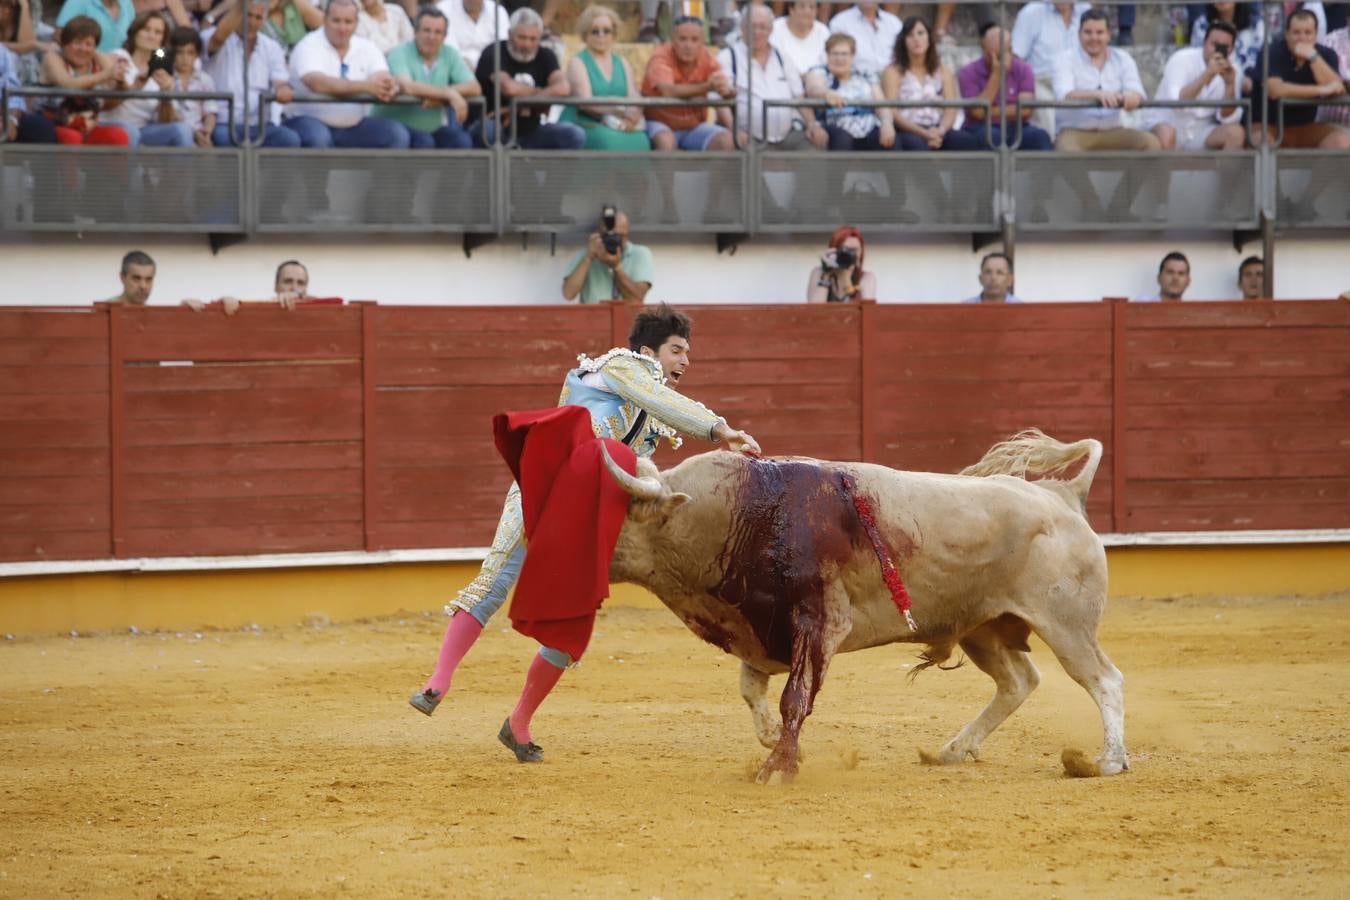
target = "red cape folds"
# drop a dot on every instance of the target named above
(573, 513)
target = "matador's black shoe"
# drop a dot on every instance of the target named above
(426, 701)
(527, 752)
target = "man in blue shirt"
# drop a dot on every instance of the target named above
(996, 280)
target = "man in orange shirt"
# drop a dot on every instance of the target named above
(686, 70)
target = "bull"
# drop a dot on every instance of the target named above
(771, 560)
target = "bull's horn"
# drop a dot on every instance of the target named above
(642, 488)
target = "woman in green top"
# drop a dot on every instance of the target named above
(598, 72)
(290, 20)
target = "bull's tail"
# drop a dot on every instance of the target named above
(1034, 454)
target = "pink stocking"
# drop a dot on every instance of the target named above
(460, 635)
(539, 681)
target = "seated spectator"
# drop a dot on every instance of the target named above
(113, 18)
(20, 124)
(840, 277)
(1279, 14)
(1250, 33)
(146, 121)
(1251, 278)
(78, 65)
(333, 61)
(185, 45)
(1301, 68)
(983, 13)
(917, 74)
(996, 280)
(474, 26)
(981, 78)
(1205, 73)
(23, 33)
(723, 19)
(840, 84)
(138, 279)
(684, 69)
(597, 71)
(385, 25)
(1106, 75)
(799, 36)
(1174, 276)
(611, 268)
(1042, 32)
(428, 68)
(1338, 42)
(226, 51)
(528, 70)
(288, 21)
(755, 63)
(174, 12)
(874, 32)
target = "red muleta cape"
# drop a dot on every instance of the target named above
(573, 513)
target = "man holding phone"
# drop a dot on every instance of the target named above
(612, 269)
(1206, 73)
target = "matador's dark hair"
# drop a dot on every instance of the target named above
(657, 324)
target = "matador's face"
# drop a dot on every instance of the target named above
(673, 356)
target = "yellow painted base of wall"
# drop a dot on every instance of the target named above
(52, 604)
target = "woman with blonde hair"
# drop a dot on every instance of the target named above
(597, 71)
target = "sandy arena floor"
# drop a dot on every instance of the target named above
(287, 763)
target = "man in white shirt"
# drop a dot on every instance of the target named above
(1205, 73)
(1043, 31)
(474, 26)
(800, 37)
(225, 54)
(1108, 77)
(333, 61)
(772, 76)
(874, 32)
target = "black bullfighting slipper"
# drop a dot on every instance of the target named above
(527, 752)
(426, 701)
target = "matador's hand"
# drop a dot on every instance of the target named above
(741, 442)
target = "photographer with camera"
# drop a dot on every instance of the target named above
(611, 268)
(840, 277)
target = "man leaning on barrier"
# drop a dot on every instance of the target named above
(1106, 75)
(527, 70)
(138, 279)
(761, 72)
(1205, 73)
(226, 51)
(980, 80)
(434, 72)
(684, 69)
(335, 62)
(1302, 69)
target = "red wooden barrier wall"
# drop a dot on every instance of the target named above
(154, 432)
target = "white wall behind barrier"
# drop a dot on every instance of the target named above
(69, 270)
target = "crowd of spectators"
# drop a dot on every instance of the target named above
(396, 74)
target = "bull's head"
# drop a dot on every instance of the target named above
(644, 544)
(646, 485)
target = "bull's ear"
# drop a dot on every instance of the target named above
(675, 501)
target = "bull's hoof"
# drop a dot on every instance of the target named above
(768, 740)
(1077, 765)
(945, 757)
(766, 775)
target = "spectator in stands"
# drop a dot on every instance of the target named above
(597, 71)
(226, 51)
(113, 18)
(1205, 73)
(981, 78)
(1251, 279)
(1301, 68)
(1041, 33)
(755, 64)
(874, 32)
(684, 69)
(20, 124)
(1338, 42)
(983, 13)
(1106, 75)
(288, 21)
(996, 280)
(1279, 14)
(840, 84)
(1250, 33)
(475, 25)
(185, 45)
(428, 68)
(78, 65)
(800, 37)
(385, 25)
(918, 74)
(148, 122)
(138, 279)
(723, 19)
(333, 61)
(611, 267)
(528, 70)
(1174, 276)
(840, 277)
(23, 33)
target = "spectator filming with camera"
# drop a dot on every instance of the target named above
(840, 277)
(611, 268)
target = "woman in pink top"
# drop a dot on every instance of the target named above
(917, 74)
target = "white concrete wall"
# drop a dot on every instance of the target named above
(71, 270)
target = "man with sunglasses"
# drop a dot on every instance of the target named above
(1208, 72)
